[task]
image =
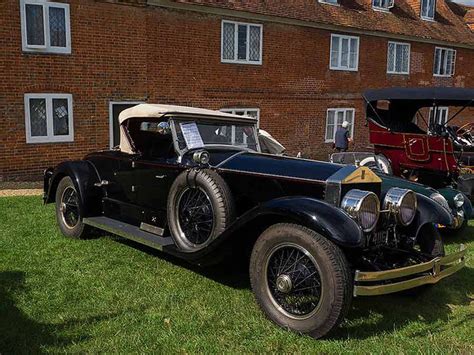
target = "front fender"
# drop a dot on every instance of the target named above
(317, 215)
(83, 175)
(429, 211)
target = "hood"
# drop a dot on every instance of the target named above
(280, 166)
(389, 181)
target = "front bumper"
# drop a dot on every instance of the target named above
(373, 283)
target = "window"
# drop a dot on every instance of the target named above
(48, 118)
(398, 58)
(252, 112)
(344, 53)
(439, 115)
(45, 26)
(241, 43)
(239, 137)
(383, 4)
(334, 119)
(330, 2)
(428, 9)
(444, 62)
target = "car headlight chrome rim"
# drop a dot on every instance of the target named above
(459, 200)
(402, 203)
(363, 206)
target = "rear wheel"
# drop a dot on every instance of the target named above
(300, 279)
(68, 210)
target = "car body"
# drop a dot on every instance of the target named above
(452, 199)
(193, 183)
(435, 155)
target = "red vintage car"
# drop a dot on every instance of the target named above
(410, 131)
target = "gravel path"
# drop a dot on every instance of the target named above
(20, 192)
(20, 188)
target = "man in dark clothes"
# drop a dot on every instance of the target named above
(342, 138)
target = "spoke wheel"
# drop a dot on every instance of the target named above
(195, 215)
(293, 281)
(69, 207)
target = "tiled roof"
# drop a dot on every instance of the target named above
(403, 19)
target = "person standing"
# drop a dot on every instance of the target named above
(342, 138)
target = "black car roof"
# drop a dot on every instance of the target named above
(448, 96)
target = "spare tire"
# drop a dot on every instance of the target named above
(200, 208)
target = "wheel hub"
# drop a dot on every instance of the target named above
(284, 284)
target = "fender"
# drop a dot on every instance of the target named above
(429, 211)
(84, 175)
(318, 215)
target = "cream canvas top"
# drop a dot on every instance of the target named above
(158, 111)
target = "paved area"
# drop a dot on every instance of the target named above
(20, 188)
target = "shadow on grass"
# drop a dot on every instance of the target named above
(369, 316)
(458, 237)
(19, 333)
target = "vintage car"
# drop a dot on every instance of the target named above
(453, 200)
(193, 183)
(417, 147)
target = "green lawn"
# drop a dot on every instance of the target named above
(107, 294)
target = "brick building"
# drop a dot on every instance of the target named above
(69, 67)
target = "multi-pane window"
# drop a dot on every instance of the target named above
(334, 119)
(241, 43)
(239, 137)
(45, 26)
(331, 2)
(439, 115)
(444, 61)
(344, 52)
(48, 118)
(428, 9)
(383, 4)
(398, 58)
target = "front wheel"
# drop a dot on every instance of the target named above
(300, 279)
(68, 210)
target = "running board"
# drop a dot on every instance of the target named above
(129, 231)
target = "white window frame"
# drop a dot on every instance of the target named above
(340, 53)
(336, 110)
(427, 18)
(50, 137)
(453, 64)
(395, 53)
(236, 60)
(329, 3)
(439, 109)
(46, 48)
(234, 111)
(391, 4)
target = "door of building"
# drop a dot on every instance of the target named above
(114, 111)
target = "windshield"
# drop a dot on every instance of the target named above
(193, 134)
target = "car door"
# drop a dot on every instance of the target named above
(416, 147)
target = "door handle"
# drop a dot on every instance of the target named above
(160, 176)
(102, 183)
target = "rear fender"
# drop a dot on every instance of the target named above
(83, 175)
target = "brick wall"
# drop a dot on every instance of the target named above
(151, 54)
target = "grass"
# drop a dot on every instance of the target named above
(106, 294)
